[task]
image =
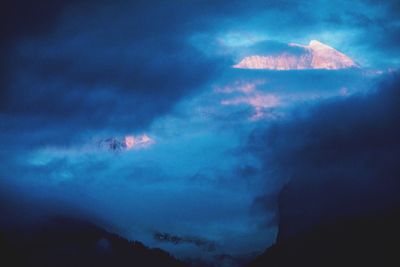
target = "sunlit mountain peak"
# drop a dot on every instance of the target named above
(315, 55)
(316, 43)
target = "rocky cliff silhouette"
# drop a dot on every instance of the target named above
(341, 206)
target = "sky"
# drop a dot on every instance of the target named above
(132, 114)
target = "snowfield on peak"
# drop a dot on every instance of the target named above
(315, 55)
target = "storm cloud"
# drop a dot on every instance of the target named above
(84, 81)
(339, 158)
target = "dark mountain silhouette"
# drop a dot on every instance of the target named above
(363, 241)
(341, 206)
(71, 242)
(205, 244)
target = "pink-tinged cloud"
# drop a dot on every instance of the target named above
(141, 141)
(260, 102)
(240, 87)
(316, 55)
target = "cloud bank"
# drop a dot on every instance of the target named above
(338, 159)
(76, 73)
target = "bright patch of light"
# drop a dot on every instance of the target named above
(140, 141)
(246, 93)
(316, 55)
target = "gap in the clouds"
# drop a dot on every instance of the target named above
(196, 180)
(188, 174)
(149, 118)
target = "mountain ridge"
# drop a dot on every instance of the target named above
(64, 241)
(315, 55)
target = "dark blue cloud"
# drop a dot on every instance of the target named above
(339, 158)
(94, 65)
(77, 70)
(109, 67)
